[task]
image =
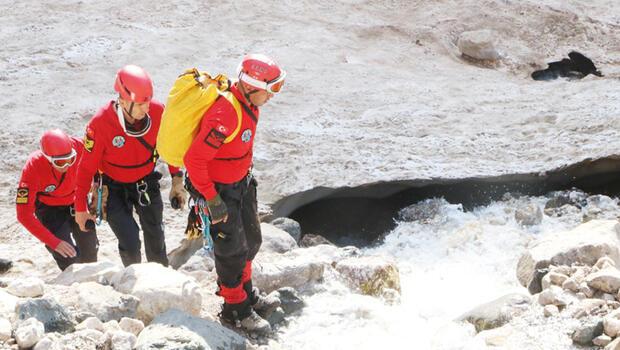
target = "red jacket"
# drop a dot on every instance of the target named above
(41, 182)
(208, 159)
(109, 149)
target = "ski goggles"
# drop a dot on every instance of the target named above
(273, 86)
(64, 161)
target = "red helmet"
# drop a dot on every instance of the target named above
(56, 143)
(134, 84)
(261, 72)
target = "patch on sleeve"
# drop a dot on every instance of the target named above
(22, 195)
(215, 138)
(89, 143)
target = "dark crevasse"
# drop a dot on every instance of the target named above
(359, 215)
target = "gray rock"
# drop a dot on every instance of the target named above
(311, 240)
(582, 245)
(175, 329)
(53, 315)
(497, 312)
(198, 262)
(553, 296)
(587, 332)
(276, 317)
(104, 302)
(288, 225)
(276, 240)
(273, 271)
(529, 215)
(479, 44)
(290, 301)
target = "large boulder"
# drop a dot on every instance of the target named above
(498, 312)
(291, 226)
(276, 240)
(583, 245)
(175, 329)
(54, 316)
(159, 289)
(273, 271)
(104, 302)
(101, 271)
(479, 44)
(371, 275)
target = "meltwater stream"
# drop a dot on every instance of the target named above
(450, 261)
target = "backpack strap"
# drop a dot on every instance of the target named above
(237, 106)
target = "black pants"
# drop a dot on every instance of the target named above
(122, 199)
(60, 221)
(238, 239)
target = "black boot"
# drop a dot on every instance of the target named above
(263, 305)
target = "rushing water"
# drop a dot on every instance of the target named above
(450, 261)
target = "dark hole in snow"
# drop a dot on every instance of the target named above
(360, 215)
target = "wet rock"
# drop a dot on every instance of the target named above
(104, 302)
(30, 287)
(497, 312)
(601, 340)
(6, 329)
(131, 326)
(583, 245)
(529, 215)
(54, 316)
(479, 44)
(276, 240)
(175, 329)
(311, 240)
(5, 265)
(288, 225)
(425, 212)
(370, 274)
(551, 310)
(607, 280)
(562, 198)
(29, 332)
(101, 271)
(171, 289)
(290, 301)
(276, 317)
(587, 332)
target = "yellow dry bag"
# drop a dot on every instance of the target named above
(190, 97)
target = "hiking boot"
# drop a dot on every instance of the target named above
(256, 324)
(243, 316)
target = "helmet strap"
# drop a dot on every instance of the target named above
(247, 94)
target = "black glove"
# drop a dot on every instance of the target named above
(217, 209)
